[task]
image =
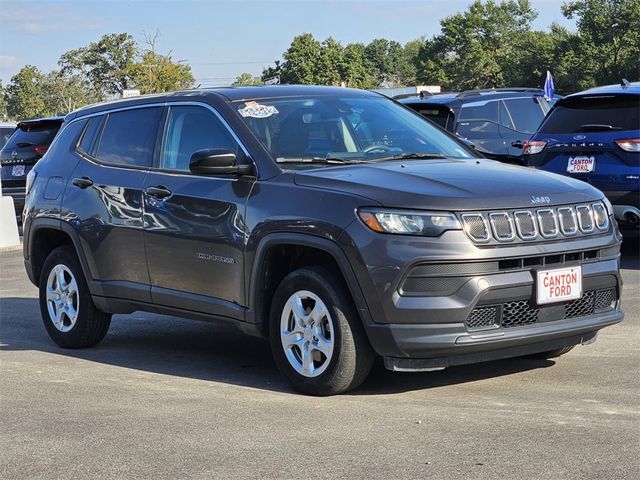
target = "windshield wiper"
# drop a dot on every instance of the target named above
(319, 160)
(407, 156)
(596, 127)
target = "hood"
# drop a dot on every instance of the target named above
(458, 185)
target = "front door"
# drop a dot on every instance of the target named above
(194, 225)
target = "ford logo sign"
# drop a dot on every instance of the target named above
(579, 137)
(539, 200)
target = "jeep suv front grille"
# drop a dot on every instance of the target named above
(523, 312)
(536, 224)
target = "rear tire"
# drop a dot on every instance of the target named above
(68, 312)
(551, 353)
(316, 335)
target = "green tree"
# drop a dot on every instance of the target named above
(329, 67)
(106, 64)
(609, 42)
(65, 93)
(246, 79)
(353, 70)
(3, 104)
(300, 60)
(26, 94)
(479, 44)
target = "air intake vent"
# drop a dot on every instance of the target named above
(548, 223)
(526, 225)
(502, 226)
(585, 218)
(476, 227)
(567, 220)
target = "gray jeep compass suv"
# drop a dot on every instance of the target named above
(335, 222)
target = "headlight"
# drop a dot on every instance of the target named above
(408, 222)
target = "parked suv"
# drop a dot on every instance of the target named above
(594, 136)
(333, 221)
(28, 143)
(496, 121)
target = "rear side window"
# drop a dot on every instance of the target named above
(5, 133)
(88, 140)
(480, 111)
(598, 113)
(129, 137)
(32, 135)
(525, 114)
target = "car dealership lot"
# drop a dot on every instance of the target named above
(166, 398)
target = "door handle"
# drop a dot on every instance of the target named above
(158, 192)
(82, 182)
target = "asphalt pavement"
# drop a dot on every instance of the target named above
(162, 397)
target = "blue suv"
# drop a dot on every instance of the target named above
(594, 136)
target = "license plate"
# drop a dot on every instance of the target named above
(581, 164)
(559, 285)
(17, 171)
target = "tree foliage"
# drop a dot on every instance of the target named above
(246, 79)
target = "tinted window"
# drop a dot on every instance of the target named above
(31, 135)
(439, 115)
(360, 128)
(89, 136)
(525, 113)
(190, 129)
(129, 137)
(473, 129)
(504, 116)
(5, 133)
(621, 112)
(480, 111)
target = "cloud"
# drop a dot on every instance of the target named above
(43, 19)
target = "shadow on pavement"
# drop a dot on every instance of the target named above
(204, 351)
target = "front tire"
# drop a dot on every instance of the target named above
(68, 312)
(316, 336)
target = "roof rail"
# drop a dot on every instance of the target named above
(479, 91)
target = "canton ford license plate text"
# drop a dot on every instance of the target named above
(559, 285)
(581, 164)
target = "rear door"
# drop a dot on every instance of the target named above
(478, 122)
(519, 119)
(194, 225)
(581, 135)
(104, 198)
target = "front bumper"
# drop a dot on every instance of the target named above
(432, 328)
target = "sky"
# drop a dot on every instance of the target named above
(219, 39)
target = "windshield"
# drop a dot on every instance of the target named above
(346, 129)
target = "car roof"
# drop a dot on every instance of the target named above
(458, 98)
(633, 88)
(228, 93)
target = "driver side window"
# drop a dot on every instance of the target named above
(189, 129)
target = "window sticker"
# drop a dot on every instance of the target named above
(255, 110)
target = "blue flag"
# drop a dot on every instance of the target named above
(548, 87)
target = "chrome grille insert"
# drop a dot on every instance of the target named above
(567, 221)
(585, 218)
(526, 225)
(600, 216)
(548, 223)
(502, 226)
(536, 224)
(476, 227)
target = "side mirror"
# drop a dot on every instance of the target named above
(517, 144)
(217, 161)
